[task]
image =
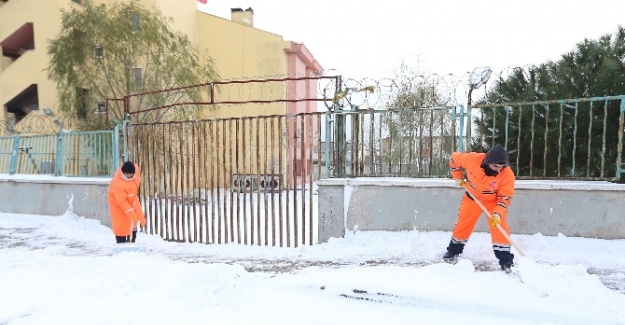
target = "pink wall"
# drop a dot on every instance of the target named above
(301, 63)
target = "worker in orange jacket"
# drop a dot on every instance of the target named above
(491, 181)
(125, 208)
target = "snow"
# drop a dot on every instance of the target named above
(59, 269)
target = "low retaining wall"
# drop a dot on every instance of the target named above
(50, 195)
(576, 209)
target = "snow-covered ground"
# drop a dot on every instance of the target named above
(60, 270)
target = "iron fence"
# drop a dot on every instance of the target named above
(578, 138)
(90, 154)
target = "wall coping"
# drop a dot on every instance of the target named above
(49, 179)
(446, 182)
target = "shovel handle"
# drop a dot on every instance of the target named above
(490, 217)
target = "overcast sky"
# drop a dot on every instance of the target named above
(370, 38)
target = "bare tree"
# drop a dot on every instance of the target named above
(110, 51)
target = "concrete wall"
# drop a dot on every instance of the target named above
(55, 195)
(576, 209)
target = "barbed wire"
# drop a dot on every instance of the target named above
(35, 123)
(333, 90)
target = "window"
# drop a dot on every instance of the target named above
(100, 107)
(136, 22)
(82, 97)
(77, 47)
(98, 52)
(138, 77)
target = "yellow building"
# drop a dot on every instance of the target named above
(240, 52)
(243, 52)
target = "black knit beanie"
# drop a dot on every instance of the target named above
(128, 167)
(497, 155)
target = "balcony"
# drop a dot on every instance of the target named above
(20, 41)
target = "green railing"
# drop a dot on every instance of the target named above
(578, 138)
(93, 153)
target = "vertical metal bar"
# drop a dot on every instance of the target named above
(532, 131)
(115, 150)
(575, 138)
(506, 128)
(254, 151)
(180, 187)
(60, 152)
(362, 140)
(230, 223)
(453, 129)
(170, 194)
(420, 142)
(195, 201)
(294, 175)
(603, 141)
(202, 186)
(155, 179)
(262, 176)
(249, 163)
(242, 174)
(431, 138)
(303, 171)
(214, 173)
(411, 140)
(272, 174)
(329, 131)
(461, 130)
(518, 141)
(318, 145)
(390, 144)
(495, 133)
(621, 128)
(283, 180)
(379, 128)
(310, 141)
(588, 151)
(220, 174)
(560, 138)
(400, 135)
(372, 146)
(546, 140)
(16, 146)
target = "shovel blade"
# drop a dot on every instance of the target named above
(128, 248)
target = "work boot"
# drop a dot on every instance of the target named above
(450, 257)
(507, 267)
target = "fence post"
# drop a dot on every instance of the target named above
(16, 144)
(621, 129)
(124, 137)
(115, 149)
(461, 130)
(58, 163)
(329, 131)
(340, 135)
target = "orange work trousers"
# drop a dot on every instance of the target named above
(468, 215)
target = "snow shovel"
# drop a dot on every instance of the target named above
(129, 247)
(490, 217)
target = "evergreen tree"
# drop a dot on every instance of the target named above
(563, 139)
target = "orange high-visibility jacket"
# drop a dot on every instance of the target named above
(124, 205)
(490, 190)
